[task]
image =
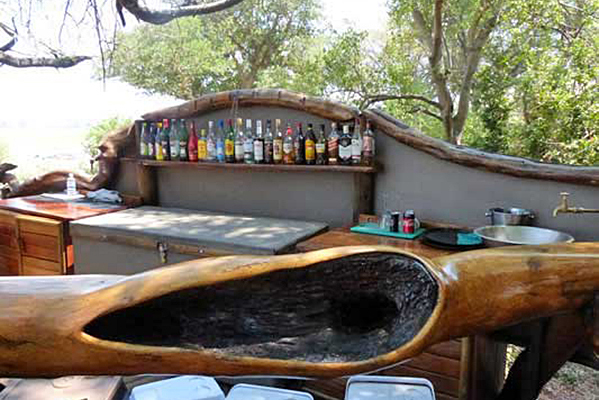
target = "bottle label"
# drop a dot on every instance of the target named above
(211, 148)
(287, 148)
(258, 150)
(310, 150)
(268, 152)
(277, 150)
(165, 152)
(202, 150)
(368, 145)
(248, 146)
(333, 146)
(320, 148)
(229, 147)
(174, 149)
(239, 151)
(159, 156)
(151, 150)
(345, 152)
(220, 149)
(183, 149)
(143, 149)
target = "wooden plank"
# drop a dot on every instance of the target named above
(256, 167)
(147, 184)
(433, 363)
(40, 225)
(449, 349)
(40, 246)
(9, 264)
(30, 264)
(9, 241)
(363, 185)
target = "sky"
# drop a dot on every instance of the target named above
(69, 98)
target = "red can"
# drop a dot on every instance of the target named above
(408, 221)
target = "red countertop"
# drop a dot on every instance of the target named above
(60, 210)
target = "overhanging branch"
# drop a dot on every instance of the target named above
(162, 16)
(27, 62)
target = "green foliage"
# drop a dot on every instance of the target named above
(92, 138)
(259, 41)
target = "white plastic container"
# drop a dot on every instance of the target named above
(244, 391)
(372, 387)
(186, 387)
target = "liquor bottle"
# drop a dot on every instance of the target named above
(259, 144)
(211, 143)
(268, 144)
(310, 146)
(230, 143)
(333, 145)
(368, 145)
(220, 142)
(356, 144)
(239, 139)
(165, 140)
(174, 141)
(345, 146)
(202, 146)
(321, 147)
(192, 144)
(248, 143)
(288, 153)
(299, 145)
(183, 141)
(277, 145)
(158, 140)
(152, 142)
(143, 141)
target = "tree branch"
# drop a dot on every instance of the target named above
(162, 16)
(27, 62)
(384, 97)
(422, 32)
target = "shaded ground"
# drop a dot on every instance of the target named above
(572, 382)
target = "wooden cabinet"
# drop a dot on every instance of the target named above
(33, 245)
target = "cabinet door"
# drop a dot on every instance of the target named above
(9, 245)
(42, 245)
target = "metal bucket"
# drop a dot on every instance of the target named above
(510, 216)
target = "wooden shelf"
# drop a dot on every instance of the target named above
(254, 167)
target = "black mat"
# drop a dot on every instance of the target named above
(447, 239)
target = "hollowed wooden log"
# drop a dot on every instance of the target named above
(327, 313)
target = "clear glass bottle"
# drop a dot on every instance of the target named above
(248, 143)
(211, 143)
(268, 144)
(345, 153)
(220, 142)
(277, 145)
(259, 143)
(356, 144)
(239, 141)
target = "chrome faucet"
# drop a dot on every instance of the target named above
(565, 208)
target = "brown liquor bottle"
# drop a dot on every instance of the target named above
(310, 146)
(333, 145)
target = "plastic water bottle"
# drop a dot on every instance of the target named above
(71, 185)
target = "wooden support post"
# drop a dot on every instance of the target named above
(147, 185)
(362, 195)
(483, 366)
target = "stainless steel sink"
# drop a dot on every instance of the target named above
(494, 236)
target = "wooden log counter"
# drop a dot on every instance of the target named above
(446, 365)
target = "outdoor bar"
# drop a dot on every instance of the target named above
(237, 269)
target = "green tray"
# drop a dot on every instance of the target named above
(374, 229)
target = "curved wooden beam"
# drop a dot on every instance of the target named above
(469, 157)
(258, 97)
(326, 313)
(112, 147)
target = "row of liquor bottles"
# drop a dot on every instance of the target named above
(179, 140)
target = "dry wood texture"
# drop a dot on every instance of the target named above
(326, 313)
(112, 146)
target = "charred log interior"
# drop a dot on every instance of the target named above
(348, 309)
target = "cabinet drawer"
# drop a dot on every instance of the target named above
(40, 246)
(36, 266)
(41, 226)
